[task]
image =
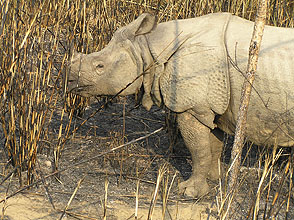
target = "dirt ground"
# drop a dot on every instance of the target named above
(107, 185)
(30, 206)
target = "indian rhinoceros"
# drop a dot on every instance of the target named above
(195, 68)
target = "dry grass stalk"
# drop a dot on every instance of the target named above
(166, 192)
(71, 198)
(290, 194)
(137, 194)
(264, 174)
(105, 198)
(162, 170)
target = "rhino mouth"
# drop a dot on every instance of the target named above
(79, 89)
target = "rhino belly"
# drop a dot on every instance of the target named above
(263, 126)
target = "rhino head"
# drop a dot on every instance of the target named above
(114, 68)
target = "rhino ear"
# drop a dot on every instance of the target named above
(142, 25)
(146, 23)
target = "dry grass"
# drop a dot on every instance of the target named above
(36, 41)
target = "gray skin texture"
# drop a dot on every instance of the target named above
(194, 67)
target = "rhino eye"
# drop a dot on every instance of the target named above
(99, 66)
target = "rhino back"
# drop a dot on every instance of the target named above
(271, 109)
(168, 34)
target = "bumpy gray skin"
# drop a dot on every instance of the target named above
(193, 67)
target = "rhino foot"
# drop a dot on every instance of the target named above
(194, 187)
(214, 172)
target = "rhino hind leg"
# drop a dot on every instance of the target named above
(197, 139)
(216, 146)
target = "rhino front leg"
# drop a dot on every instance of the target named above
(197, 139)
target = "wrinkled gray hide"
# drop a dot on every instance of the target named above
(193, 67)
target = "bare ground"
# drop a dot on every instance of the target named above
(108, 184)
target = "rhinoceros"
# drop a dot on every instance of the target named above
(195, 67)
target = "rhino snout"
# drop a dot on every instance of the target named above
(82, 90)
(74, 86)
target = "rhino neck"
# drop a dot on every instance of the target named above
(154, 55)
(145, 53)
(149, 70)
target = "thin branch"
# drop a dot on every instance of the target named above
(245, 99)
